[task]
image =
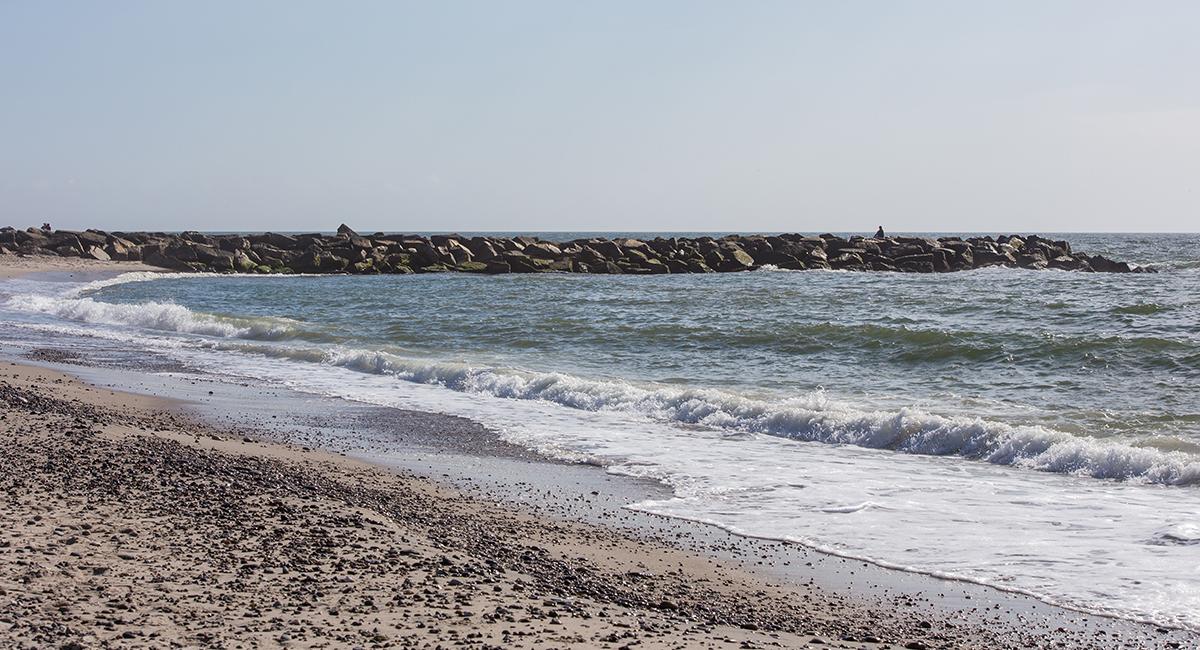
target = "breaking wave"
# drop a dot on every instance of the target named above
(811, 418)
(162, 316)
(73, 304)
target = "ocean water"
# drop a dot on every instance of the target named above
(1036, 431)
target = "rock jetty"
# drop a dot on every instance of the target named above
(349, 252)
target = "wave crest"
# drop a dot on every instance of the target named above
(158, 316)
(810, 418)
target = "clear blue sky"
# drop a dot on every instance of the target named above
(610, 115)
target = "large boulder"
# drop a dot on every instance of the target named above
(816, 258)
(119, 248)
(481, 249)
(989, 256)
(735, 259)
(96, 253)
(496, 266)
(363, 268)
(1035, 260)
(608, 249)
(1069, 263)
(519, 262)
(590, 256)
(664, 247)
(156, 255)
(91, 238)
(214, 257)
(944, 260)
(677, 265)
(424, 252)
(1102, 264)
(318, 261)
(472, 267)
(636, 257)
(918, 263)
(284, 242)
(32, 237)
(847, 259)
(64, 239)
(544, 250)
(197, 238)
(459, 250)
(243, 263)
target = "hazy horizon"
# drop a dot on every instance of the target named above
(617, 117)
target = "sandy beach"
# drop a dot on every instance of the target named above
(12, 265)
(599, 325)
(132, 520)
(127, 523)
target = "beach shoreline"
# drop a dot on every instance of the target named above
(129, 523)
(580, 508)
(15, 266)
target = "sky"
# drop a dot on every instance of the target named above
(614, 115)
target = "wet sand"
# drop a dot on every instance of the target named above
(12, 265)
(126, 522)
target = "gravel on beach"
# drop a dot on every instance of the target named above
(128, 525)
(125, 523)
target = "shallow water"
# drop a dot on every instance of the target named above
(916, 420)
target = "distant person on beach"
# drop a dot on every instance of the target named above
(879, 233)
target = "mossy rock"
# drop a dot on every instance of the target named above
(243, 263)
(262, 268)
(433, 268)
(472, 267)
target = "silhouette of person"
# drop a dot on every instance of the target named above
(879, 233)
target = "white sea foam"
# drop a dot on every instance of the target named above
(906, 510)
(165, 317)
(811, 417)
(1182, 534)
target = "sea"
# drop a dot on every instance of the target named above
(1036, 431)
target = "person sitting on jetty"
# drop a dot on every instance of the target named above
(879, 233)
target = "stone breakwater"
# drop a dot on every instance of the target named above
(349, 252)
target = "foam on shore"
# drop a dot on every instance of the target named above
(811, 417)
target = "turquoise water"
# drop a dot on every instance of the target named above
(895, 417)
